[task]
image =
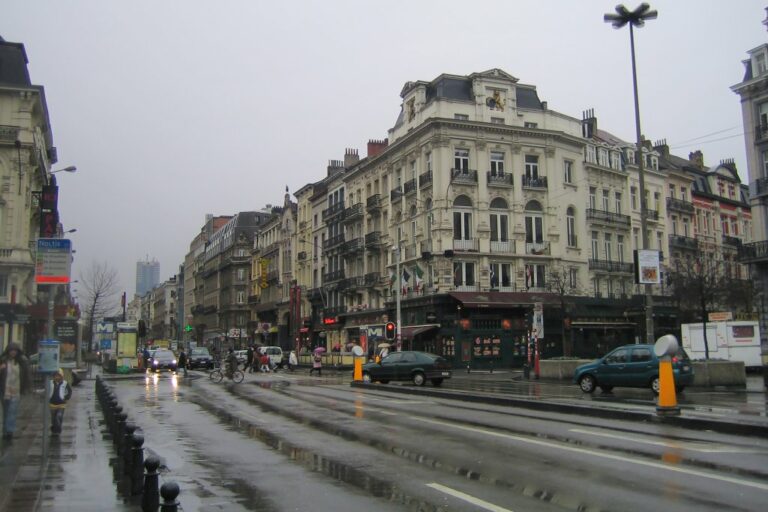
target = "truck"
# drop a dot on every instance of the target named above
(733, 340)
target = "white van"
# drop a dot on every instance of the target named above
(275, 354)
(733, 340)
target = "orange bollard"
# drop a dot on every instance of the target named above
(667, 405)
(358, 373)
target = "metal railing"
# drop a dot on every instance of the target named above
(611, 266)
(680, 205)
(354, 245)
(464, 175)
(333, 211)
(333, 242)
(609, 217)
(353, 212)
(425, 179)
(373, 202)
(537, 248)
(530, 182)
(683, 242)
(409, 186)
(333, 277)
(755, 251)
(373, 239)
(506, 246)
(500, 178)
(466, 245)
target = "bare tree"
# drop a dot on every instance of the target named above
(698, 284)
(100, 286)
(563, 283)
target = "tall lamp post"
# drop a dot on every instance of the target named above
(398, 288)
(637, 18)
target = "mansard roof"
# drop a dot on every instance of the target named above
(13, 64)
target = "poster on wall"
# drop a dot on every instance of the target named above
(647, 267)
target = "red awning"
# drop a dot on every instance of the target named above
(408, 333)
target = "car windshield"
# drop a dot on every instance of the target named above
(200, 352)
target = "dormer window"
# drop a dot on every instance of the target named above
(591, 154)
(760, 64)
(631, 156)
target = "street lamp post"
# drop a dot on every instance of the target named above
(398, 287)
(637, 18)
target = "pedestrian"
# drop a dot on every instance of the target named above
(60, 394)
(264, 361)
(231, 363)
(146, 355)
(15, 381)
(183, 361)
(292, 361)
(249, 359)
(317, 364)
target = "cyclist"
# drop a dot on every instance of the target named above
(231, 363)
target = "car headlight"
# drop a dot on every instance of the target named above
(154, 362)
(173, 362)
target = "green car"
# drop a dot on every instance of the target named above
(417, 367)
(633, 366)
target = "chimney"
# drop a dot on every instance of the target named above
(376, 147)
(646, 144)
(350, 157)
(335, 166)
(588, 123)
(697, 158)
(662, 147)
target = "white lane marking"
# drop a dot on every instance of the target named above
(683, 445)
(466, 497)
(583, 451)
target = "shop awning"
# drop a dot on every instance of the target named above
(410, 332)
(267, 306)
(615, 325)
(501, 299)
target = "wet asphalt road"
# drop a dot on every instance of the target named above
(288, 442)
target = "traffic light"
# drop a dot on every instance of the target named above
(389, 331)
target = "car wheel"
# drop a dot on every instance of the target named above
(366, 377)
(419, 379)
(606, 389)
(587, 383)
(655, 386)
(437, 382)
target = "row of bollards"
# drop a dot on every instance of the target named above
(129, 445)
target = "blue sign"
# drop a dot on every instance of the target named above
(106, 344)
(49, 360)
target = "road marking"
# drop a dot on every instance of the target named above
(584, 451)
(683, 445)
(466, 497)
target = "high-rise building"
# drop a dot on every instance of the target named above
(147, 276)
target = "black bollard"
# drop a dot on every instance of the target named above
(169, 491)
(151, 497)
(137, 465)
(120, 432)
(110, 412)
(128, 430)
(491, 366)
(113, 424)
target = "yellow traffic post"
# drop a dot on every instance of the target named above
(357, 353)
(665, 348)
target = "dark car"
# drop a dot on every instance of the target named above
(163, 358)
(417, 367)
(634, 366)
(199, 357)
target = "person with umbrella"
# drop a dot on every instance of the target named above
(317, 361)
(384, 351)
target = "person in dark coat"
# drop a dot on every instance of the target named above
(60, 394)
(183, 361)
(249, 359)
(15, 381)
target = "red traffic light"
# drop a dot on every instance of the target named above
(389, 331)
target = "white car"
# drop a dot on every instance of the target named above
(275, 354)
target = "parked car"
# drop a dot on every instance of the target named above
(417, 367)
(242, 356)
(634, 366)
(275, 355)
(199, 357)
(163, 358)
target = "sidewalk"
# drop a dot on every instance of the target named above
(77, 474)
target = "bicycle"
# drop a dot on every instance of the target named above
(217, 375)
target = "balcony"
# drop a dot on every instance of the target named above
(334, 211)
(333, 277)
(9, 133)
(353, 284)
(680, 205)
(761, 132)
(466, 245)
(409, 187)
(611, 266)
(273, 276)
(758, 187)
(354, 246)
(535, 183)
(333, 242)
(395, 194)
(503, 247)
(334, 311)
(683, 242)
(373, 203)
(610, 218)
(464, 176)
(372, 279)
(537, 248)
(754, 252)
(425, 179)
(354, 212)
(652, 215)
(500, 179)
(731, 240)
(302, 256)
(373, 239)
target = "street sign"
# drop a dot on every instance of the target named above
(106, 345)
(53, 261)
(48, 351)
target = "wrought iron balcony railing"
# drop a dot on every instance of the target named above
(464, 175)
(500, 179)
(333, 242)
(333, 211)
(680, 205)
(753, 252)
(409, 186)
(683, 242)
(611, 266)
(373, 239)
(373, 202)
(354, 212)
(537, 248)
(617, 219)
(425, 179)
(530, 182)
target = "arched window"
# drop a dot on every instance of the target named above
(570, 226)
(462, 201)
(499, 224)
(534, 227)
(462, 218)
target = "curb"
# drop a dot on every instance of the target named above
(745, 429)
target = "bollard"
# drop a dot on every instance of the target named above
(137, 463)
(151, 497)
(128, 431)
(491, 366)
(169, 491)
(526, 371)
(120, 432)
(116, 411)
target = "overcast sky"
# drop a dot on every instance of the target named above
(174, 109)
